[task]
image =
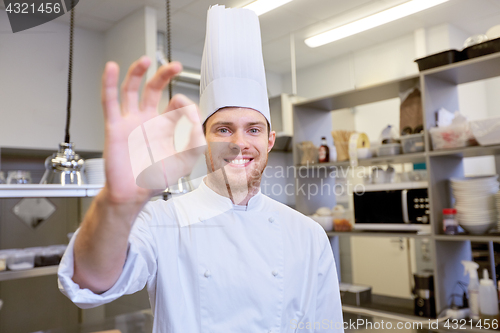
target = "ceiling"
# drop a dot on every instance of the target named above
(303, 18)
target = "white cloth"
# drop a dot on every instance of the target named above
(257, 268)
(232, 66)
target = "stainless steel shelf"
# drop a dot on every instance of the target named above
(47, 191)
(402, 158)
(396, 159)
(360, 96)
(377, 234)
(448, 238)
(7, 152)
(395, 186)
(471, 70)
(468, 151)
(473, 238)
(39, 271)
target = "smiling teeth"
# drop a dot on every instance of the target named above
(239, 161)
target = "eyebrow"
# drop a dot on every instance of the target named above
(228, 123)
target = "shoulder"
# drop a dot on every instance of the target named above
(291, 217)
(155, 212)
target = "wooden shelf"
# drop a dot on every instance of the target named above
(474, 151)
(48, 191)
(471, 70)
(39, 271)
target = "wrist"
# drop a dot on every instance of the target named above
(123, 204)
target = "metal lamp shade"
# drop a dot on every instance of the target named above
(64, 167)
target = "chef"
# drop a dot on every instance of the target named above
(224, 257)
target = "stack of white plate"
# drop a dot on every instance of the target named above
(475, 203)
(94, 168)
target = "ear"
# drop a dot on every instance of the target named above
(271, 141)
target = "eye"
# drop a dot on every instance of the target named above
(254, 130)
(223, 130)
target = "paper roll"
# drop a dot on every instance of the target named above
(357, 140)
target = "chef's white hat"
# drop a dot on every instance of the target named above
(232, 67)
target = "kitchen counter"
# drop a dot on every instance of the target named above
(142, 322)
(135, 322)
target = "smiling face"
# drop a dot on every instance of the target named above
(239, 142)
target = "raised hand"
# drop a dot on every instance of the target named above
(122, 118)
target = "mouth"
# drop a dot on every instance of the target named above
(239, 162)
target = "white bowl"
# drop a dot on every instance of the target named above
(475, 218)
(470, 215)
(364, 153)
(493, 188)
(474, 179)
(325, 221)
(477, 229)
(484, 188)
(473, 200)
(474, 210)
(486, 221)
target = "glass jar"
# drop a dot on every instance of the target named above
(341, 219)
(19, 177)
(450, 223)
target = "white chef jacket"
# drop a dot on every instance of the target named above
(214, 267)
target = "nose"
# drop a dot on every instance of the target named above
(239, 141)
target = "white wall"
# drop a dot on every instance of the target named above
(132, 37)
(373, 118)
(493, 97)
(33, 86)
(383, 62)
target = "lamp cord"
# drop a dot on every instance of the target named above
(167, 44)
(70, 71)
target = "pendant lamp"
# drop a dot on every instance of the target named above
(65, 167)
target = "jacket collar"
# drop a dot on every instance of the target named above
(204, 203)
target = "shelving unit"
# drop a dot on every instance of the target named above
(474, 151)
(22, 290)
(473, 238)
(396, 159)
(312, 120)
(28, 273)
(376, 234)
(48, 191)
(395, 186)
(439, 87)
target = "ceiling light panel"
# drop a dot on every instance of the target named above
(263, 6)
(372, 21)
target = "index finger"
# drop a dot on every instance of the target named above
(154, 88)
(109, 91)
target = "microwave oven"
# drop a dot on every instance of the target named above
(396, 209)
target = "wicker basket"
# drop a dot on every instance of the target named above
(341, 141)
